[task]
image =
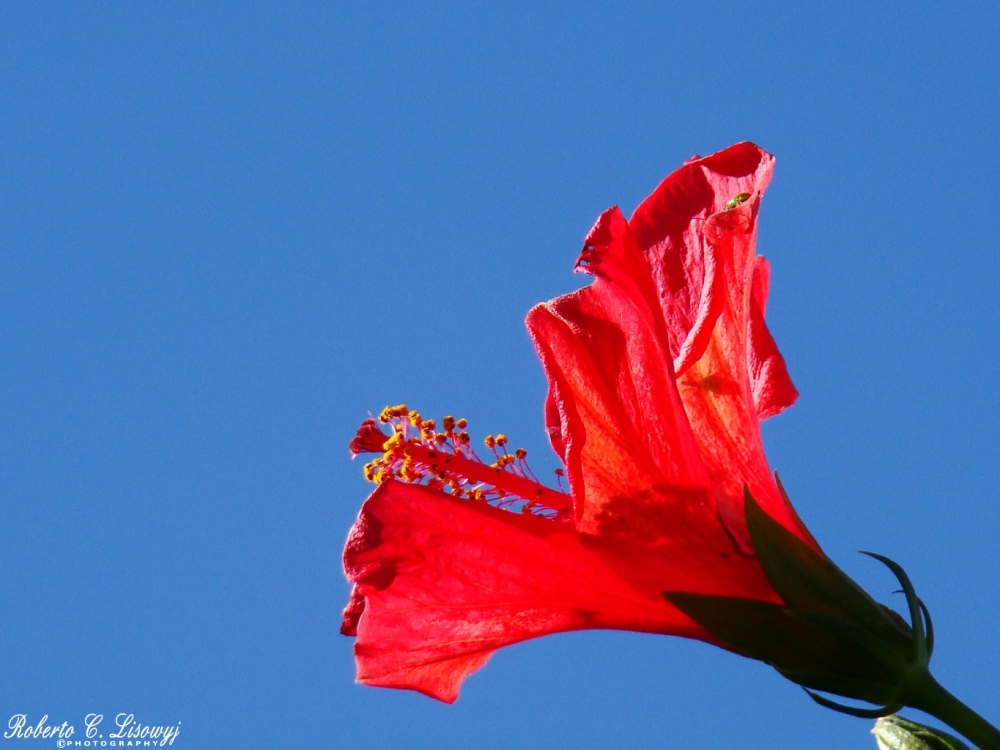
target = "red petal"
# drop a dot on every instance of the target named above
(772, 388)
(613, 408)
(761, 285)
(352, 613)
(669, 225)
(642, 495)
(717, 390)
(445, 582)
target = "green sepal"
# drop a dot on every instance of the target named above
(806, 579)
(897, 733)
(920, 653)
(826, 634)
(845, 632)
(929, 627)
(783, 638)
(878, 693)
(829, 635)
(860, 713)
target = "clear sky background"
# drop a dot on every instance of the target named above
(227, 232)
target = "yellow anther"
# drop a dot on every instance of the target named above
(521, 453)
(490, 441)
(440, 438)
(501, 439)
(430, 424)
(393, 442)
(409, 471)
(390, 412)
(461, 424)
(463, 438)
(415, 419)
(370, 472)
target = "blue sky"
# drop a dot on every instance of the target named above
(227, 232)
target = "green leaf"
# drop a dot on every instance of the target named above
(897, 733)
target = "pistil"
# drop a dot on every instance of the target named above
(418, 453)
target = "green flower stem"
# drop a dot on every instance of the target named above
(927, 695)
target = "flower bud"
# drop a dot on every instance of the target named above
(896, 733)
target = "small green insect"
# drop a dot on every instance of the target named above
(737, 200)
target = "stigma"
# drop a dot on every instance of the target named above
(416, 451)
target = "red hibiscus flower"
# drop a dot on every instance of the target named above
(659, 373)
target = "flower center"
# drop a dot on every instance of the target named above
(417, 452)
